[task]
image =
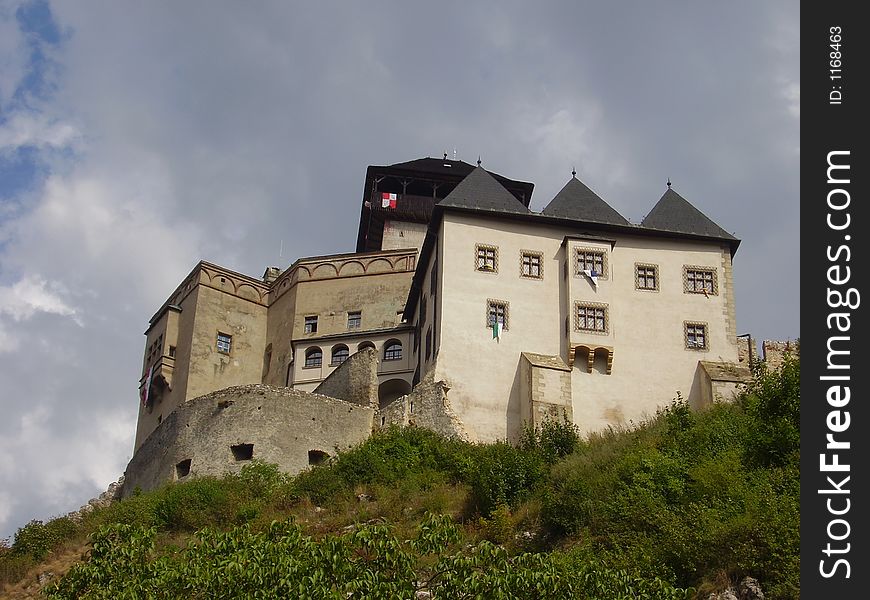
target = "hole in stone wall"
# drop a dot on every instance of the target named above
(243, 451)
(317, 457)
(182, 469)
(383, 421)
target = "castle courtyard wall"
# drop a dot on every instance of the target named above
(282, 425)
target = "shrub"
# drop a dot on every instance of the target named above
(194, 504)
(37, 539)
(502, 474)
(554, 439)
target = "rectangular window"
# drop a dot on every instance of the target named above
(487, 258)
(700, 280)
(531, 265)
(428, 343)
(224, 343)
(310, 324)
(497, 312)
(591, 317)
(646, 277)
(696, 336)
(590, 260)
(354, 320)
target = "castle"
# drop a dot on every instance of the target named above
(461, 309)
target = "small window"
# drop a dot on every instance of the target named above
(317, 457)
(182, 469)
(424, 304)
(590, 260)
(428, 343)
(313, 357)
(497, 312)
(171, 351)
(354, 320)
(646, 277)
(700, 280)
(696, 336)
(339, 354)
(242, 451)
(531, 265)
(487, 258)
(591, 317)
(224, 343)
(393, 350)
(310, 324)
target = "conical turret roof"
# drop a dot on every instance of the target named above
(674, 213)
(577, 201)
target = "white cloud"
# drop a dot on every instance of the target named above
(28, 129)
(33, 294)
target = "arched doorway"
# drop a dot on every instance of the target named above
(392, 389)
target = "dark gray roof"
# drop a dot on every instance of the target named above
(674, 213)
(481, 191)
(577, 201)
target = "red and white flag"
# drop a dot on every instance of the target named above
(388, 200)
(147, 387)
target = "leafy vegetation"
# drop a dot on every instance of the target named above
(655, 511)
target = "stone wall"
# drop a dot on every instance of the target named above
(427, 406)
(355, 381)
(774, 352)
(221, 432)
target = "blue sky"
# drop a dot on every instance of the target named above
(137, 138)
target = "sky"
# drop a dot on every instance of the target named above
(137, 138)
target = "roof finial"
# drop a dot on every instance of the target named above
(445, 156)
(573, 172)
(478, 160)
(669, 183)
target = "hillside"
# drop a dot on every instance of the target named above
(681, 505)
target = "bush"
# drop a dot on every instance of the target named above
(553, 439)
(502, 474)
(194, 504)
(37, 539)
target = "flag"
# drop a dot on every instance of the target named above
(147, 388)
(592, 274)
(496, 330)
(388, 200)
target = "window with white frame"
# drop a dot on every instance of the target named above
(592, 260)
(530, 265)
(487, 258)
(497, 312)
(224, 343)
(696, 335)
(354, 319)
(591, 317)
(646, 277)
(700, 280)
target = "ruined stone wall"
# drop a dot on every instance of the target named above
(427, 406)
(774, 352)
(210, 435)
(355, 381)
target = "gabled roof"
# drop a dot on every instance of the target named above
(481, 191)
(577, 201)
(674, 213)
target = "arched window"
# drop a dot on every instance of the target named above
(339, 354)
(313, 357)
(365, 345)
(393, 350)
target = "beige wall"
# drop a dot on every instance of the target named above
(645, 332)
(402, 234)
